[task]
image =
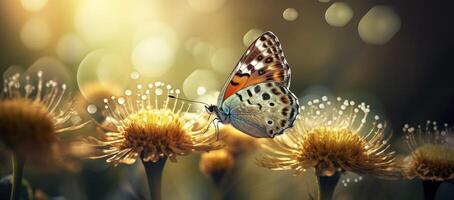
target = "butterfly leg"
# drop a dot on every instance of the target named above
(216, 126)
(209, 124)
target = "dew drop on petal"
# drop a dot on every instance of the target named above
(92, 109)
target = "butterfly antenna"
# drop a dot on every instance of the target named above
(192, 101)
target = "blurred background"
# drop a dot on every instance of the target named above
(393, 55)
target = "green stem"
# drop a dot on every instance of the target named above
(327, 185)
(18, 172)
(154, 175)
(430, 189)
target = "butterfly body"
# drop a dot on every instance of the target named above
(256, 98)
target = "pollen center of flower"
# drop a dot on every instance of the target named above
(432, 161)
(154, 133)
(331, 149)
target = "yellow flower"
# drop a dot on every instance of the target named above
(147, 125)
(236, 141)
(431, 156)
(216, 164)
(332, 137)
(31, 115)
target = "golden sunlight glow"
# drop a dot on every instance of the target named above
(36, 34)
(200, 78)
(99, 21)
(206, 5)
(379, 25)
(251, 35)
(70, 48)
(338, 14)
(290, 14)
(153, 57)
(33, 5)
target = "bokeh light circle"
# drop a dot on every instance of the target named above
(12, 70)
(197, 79)
(70, 48)
(223, 60)
(33, 5)
(36, 34)
(379, 25)
(52, 68)
(153, 57)
(250, 36)
(155, 45)
(338, 14)
(104, 67)
(290, 14)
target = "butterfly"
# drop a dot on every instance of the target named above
(256, 98)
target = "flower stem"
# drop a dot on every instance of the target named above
(327, 185)
(18, 171)
(154, 175)
(430, 189)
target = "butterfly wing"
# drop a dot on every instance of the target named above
(262, 110)
(263, 61)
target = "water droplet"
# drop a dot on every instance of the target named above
(128, 92)
(92, 109)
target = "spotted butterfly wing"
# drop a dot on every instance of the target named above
(262, 110)
(256, 96)
(263, 61)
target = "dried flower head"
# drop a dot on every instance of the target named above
(91, 99)
(31, 115)
(431, 156)
(146, 123)
(236, 141)
(216, 164)
(332, 137)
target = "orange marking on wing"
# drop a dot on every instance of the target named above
(271, 73)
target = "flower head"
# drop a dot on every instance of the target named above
(236, 141)
(32, 114)
(216, 164)
(332, 137)
(91, 99)
(431, 156)
(147, 125)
